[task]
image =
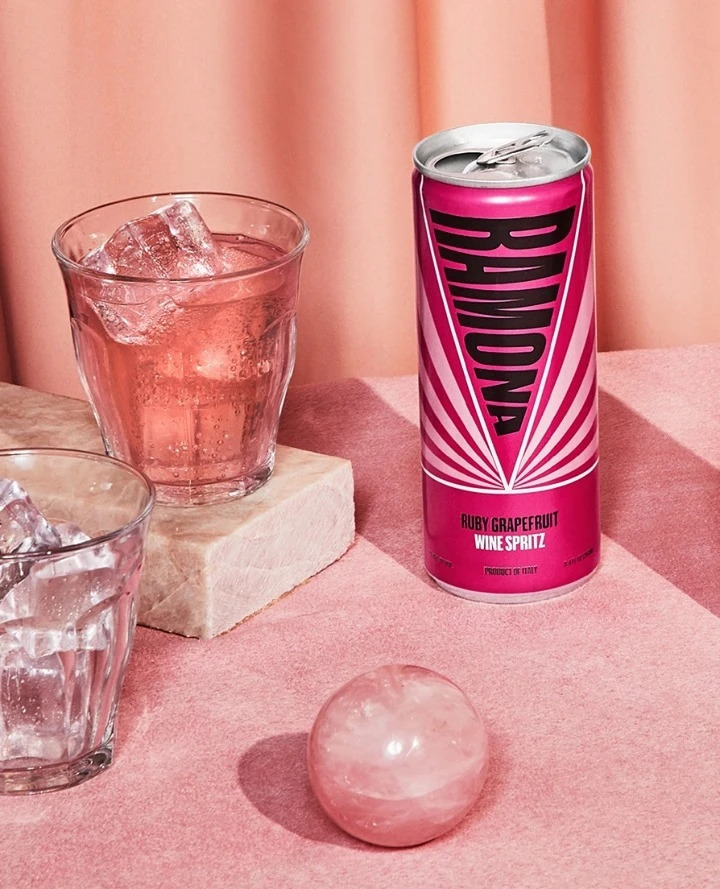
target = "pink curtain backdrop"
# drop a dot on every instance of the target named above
(317, 104)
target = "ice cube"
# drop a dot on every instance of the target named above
(47, 604)
(62, 603)
(70, 534)
(23, 529)
(236, 255)
(10, 574)
(128, 321)
(172, 242)
(32, 705)
(56, 589)
(91, 632)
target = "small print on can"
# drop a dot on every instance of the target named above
(507, 345)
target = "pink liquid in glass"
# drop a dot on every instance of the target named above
(188, 377)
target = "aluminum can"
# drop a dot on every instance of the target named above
(507, 366)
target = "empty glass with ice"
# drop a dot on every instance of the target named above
(183, 316)
(72, 538)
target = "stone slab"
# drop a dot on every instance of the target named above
(210, 567)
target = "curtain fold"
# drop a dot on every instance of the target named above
(6, 375)
(317, 104)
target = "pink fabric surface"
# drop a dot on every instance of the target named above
(603, 706)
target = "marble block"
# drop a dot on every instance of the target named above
(210, 567)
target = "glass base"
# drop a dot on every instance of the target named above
(216, 492)
(35, 777)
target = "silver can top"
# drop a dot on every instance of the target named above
(501, 155)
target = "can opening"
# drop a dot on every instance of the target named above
(526, 163)
(501, 155)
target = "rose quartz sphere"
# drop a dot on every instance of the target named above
(397, 756)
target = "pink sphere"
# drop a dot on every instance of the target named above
(397, 756)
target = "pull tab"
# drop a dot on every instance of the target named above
(507, 153)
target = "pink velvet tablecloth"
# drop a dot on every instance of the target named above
(603, 706)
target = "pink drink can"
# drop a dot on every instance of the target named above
(507, 343)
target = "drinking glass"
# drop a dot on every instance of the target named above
(187, 376)
(67, 616)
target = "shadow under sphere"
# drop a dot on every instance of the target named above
(273, 776)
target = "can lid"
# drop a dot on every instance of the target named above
(501, 155)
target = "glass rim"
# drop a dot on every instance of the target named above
(9, 558)
(76, 266)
